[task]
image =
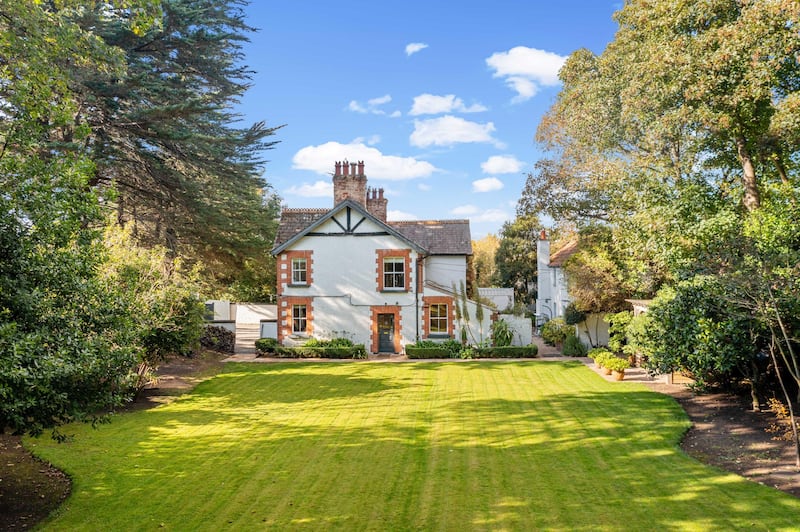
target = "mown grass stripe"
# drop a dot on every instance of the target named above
(447, 446)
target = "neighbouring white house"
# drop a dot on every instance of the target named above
(348, 272)
(552, 297)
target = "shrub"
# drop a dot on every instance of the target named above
(266, 346)
(573, 347)
(573, 316)
(556, 331)
(218, 339)
(528, 351)
(616, 364)
(617, 330)
(416, 352)
(357, 351)
(600, 355)
(502, 335)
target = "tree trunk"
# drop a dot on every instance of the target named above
(752, 199)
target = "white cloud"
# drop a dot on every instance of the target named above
(372, 141)
(400, 216)
(424, 187)
(373, 106)
(321, 158)
(414, 47)
(318, 189)
(464, 210)
(488, 184)
(386, 98)
(502, 164)
(491, 215)
(430, 104)
(448, 130)
(477, 216)
(526, 69)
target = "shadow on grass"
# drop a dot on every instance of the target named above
(420, 446)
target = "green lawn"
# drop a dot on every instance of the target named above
(418, 446)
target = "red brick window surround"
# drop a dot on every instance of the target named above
(295, 268)
(296, 316)
(438, 316)
(393, 270)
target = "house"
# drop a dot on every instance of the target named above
(553, 296)
(349, 272)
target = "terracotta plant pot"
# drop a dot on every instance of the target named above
(619, 375)
(606, 371)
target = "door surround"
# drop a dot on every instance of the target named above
(385, 309)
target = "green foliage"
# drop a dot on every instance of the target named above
(555, 331)
(573, 347)
(600, 355)
(618, 330)
(615, 363)
(509, 351)
(332, 342)
(692, 329)
(502, 335)
(357, 351)
(162, 296)
(515, 258)
(573, 316)
(266, 346)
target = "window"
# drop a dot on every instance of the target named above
(299, 271)
(438, 319)
(299, 319)
(394, 275)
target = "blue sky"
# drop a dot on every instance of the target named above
(441, 100)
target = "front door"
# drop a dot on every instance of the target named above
(386, 333)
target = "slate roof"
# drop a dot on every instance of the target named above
(437, 237)
(558, 258)
(295, 220)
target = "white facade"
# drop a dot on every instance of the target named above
(340, 291)
(552, 298)
(501, 298)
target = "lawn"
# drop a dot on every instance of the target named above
(418, 446)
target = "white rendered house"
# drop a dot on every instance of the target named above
(552, 297)
(348, 272)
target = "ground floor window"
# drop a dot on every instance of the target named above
(299, 318)
(438, 319)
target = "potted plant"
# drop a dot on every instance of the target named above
(617, 366)
(598, 354)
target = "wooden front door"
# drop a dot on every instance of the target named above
(386, 333)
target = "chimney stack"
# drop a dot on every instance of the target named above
(349, 185)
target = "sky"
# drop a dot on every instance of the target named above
(441, 100)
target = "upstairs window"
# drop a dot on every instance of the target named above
(299, 271)
(394, 273)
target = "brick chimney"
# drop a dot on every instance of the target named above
(376, 203)
(349, 182)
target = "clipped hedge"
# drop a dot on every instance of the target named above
(509, 351)
(218, 339)
(265, 347)
(427, 352)
(304, 351)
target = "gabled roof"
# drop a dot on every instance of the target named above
(558, 258)
(435, 237)
(295, 220)
(321, 217)
(438, 237)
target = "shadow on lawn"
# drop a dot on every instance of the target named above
(603, 459)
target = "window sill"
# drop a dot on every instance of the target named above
(438, 336)
(296, 285)
(394, 291)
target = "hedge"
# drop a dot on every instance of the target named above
(510, 351)
(427, 352)
(357, 351)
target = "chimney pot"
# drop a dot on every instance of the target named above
(543, 235)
